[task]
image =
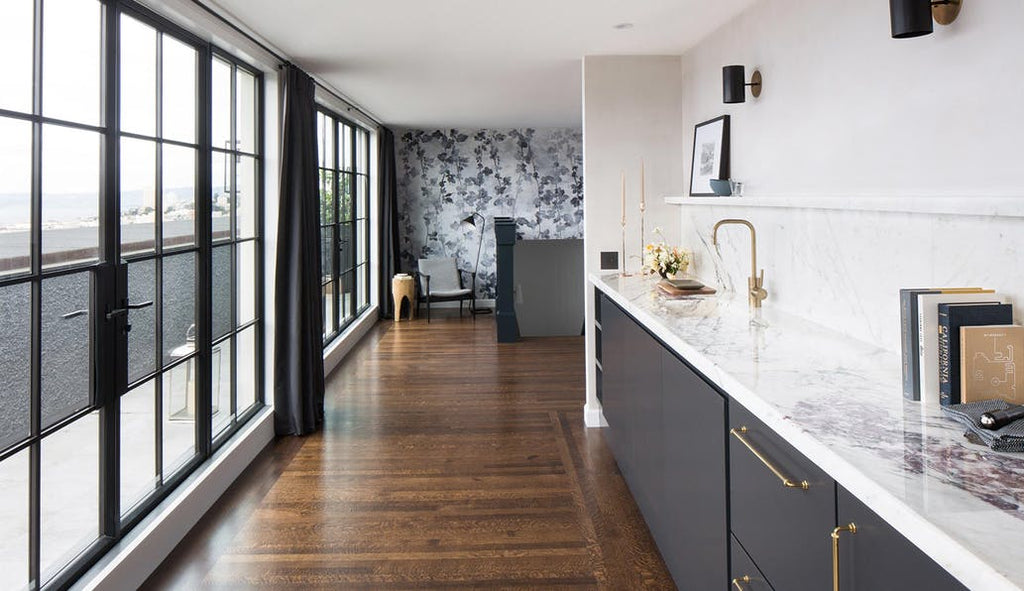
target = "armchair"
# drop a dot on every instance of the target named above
(440, 281)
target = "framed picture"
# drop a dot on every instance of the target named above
(710, 155)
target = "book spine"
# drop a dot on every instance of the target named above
(945, 386)
(911, 387)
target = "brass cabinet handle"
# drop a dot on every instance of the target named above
(852, 528)
(787, 482)
(738, 583)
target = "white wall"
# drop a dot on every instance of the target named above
(847, 110)
(848, 113)
(632, 110)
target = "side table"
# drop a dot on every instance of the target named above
(403, 287)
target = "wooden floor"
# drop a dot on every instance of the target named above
(447, 461)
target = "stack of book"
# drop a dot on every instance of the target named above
(960, 345)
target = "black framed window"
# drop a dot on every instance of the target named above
(344, 160)
(108, 197)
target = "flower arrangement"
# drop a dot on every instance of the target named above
(663, 259)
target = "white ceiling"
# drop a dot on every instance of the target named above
(472, 63)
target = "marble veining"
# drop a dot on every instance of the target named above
(838, 400)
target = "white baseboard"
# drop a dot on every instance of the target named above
(593, 416)
(128, 564)
(348, 339)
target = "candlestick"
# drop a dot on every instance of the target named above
(643, 208)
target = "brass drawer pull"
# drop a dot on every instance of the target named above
(738, 583)
(788, 483)
(852, 528)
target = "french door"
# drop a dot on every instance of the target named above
(115, 220)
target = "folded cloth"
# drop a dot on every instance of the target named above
(1007, 438)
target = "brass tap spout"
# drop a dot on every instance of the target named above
(755, 284)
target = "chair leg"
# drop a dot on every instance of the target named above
(460, 308)
(428, 308)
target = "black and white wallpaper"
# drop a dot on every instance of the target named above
(532, 175)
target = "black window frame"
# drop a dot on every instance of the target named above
(113, 525)
(341, 226)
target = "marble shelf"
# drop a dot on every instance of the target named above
(983, 206)
(839, 401)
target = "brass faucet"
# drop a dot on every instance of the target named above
(755, 285)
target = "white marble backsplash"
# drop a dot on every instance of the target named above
(844, 269)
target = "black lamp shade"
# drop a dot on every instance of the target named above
(470, 220)
(910, 18)
(734, 84)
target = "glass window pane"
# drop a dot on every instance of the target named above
(179, 90)
(71, 60)
(71, 196)
(221, 136)
(347, 287)
(325, 140)
(179, 306)
(362, 230)
(327, 253)
(15, 338)
(221, 288)
(14, 512)
(16, 46)
(328, 299)
(138, 77)
(179, 195)
(326, 196)
(221, 386)
(15, 195)
(245, 93)
(362, 198)
(346, 245)
(245, 198)
(66, 351)
(179, 422)
(69, 493)
(138, 196)
(222, 202)
(142, 337)
(345, 205)
(362, 280)
(345, 139)
(138, 445)
(248, 366)
(246, 282)
(362, 154)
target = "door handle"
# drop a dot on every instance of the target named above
(852, 528)
(74, 314)
(741, 582)
(786, 481)
(124, 311)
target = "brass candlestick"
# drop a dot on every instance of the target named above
(624, 273)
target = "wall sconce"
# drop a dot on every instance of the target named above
(734, 83)
(913, 18)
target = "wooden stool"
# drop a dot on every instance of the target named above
(403, 287)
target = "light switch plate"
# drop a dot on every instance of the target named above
(609, 259)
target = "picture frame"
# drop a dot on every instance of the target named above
(710, 155)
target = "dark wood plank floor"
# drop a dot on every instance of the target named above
(447, 462)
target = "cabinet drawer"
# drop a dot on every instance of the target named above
(785, 529)
(745, 575)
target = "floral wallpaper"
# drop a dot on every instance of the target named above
(532, 175)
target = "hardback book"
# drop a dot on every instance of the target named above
(951, 318)
(909, 335)
(928, 335)
(990, 356)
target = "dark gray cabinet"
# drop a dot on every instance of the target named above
(745, 576)
(692, 531)
(701, 466)
(784, 528)
(876, 557)
(666, 428)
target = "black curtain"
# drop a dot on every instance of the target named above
(388, 193)
(298, 347)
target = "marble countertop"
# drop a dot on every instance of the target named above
(839, 401)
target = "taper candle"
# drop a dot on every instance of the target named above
(643, 178)
(623, 197)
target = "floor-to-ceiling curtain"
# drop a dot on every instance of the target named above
(298, 334)
(388, 222)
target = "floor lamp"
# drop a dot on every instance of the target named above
(470, 220)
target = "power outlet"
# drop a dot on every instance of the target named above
(609, 260)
